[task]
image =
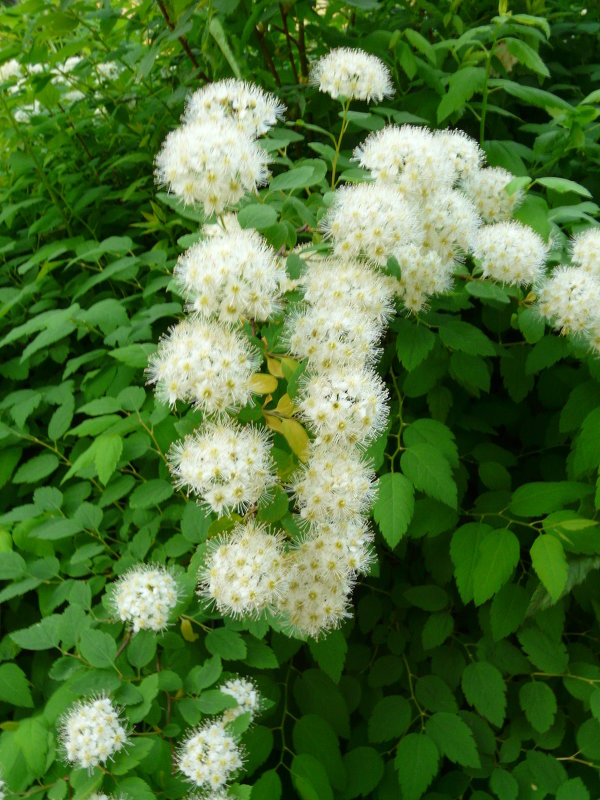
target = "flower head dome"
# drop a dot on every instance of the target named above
(570, 299)
(228, 467)
(251, 109)
(204, 363)
(91, 732)
(243, 571)
(353, 74)
(510, 253)
(144, 597)
(247, 696)
(209, 756)
(586, 251)
(230, 275)
(212, 163)
(487, 189)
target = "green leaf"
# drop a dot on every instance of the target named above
(536, 499)
(586, 452)
(464, 552)
(364, 768)
(436, 630)
(417, 764)
(310, 778)
(136, 787)
(573, 789)
(200, 677)
(459, 335)
(588, 739)
(315, 736)
(267, 787)
(295, 178)
(545, 353)
(430, 472)
(498, 556)
(508, 610)
(31, 738)
(394, 507)
(257, 216)
(461, 88)
(330, 653)
(14, 687)
(550, 563)
(420, 43)
(413, 343)
(526, 55)
(36, 468)
(453, 738)
(531, 95)
(226, 643)
(214, 701)
(432, 432)
(563, 185)
(151, 493)
(543, 651)
(538, 701)
(128, 759)
(99, 648)
(107, 455)
(133, 355)
(217, 31)
(484, 688)
(504, 785)
(486, 290)
(389, 719)
(41, 636)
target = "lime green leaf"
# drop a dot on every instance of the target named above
(413, 343)
(99, 648)
(435, 433)
(394, 507)
(295, 178)
(226, 643)
(107, 455)
(151, 493)
(430, 472)
(461, 88)
(536, 499)
(508, 610)
(36, 468)
(498, 556)
(563, 185)
(526, 55)
(257, 216)
(459, 335)
(550, 563)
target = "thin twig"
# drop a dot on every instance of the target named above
(182, 39)
(288, 40)
(267, 55)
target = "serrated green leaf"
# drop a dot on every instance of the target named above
(538, 701)
(417, 764)
(498, 556)
(430, 472)
(484, 688)
(453, 738)
(550, 563)
(394, 507)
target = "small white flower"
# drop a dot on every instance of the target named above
(348, 405)
(10, 69)
(450, 223)
(253, 110)
(409, 158)
(204, 363)
(487, 189)
(335, 485)
(335, 282)
(230, 275)
(510, 253)
(370, 220)
(586, 251)
(333, 337)
(464, 152)
(91, 732)
(353, 74)
(570, 300)
(320, 584)
(243, 571)
(213, 163)
(209, 756)
(227, 466)
(144, 596)
(247, 696)
(423, 274)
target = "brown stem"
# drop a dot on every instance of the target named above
(124, 644)
(267, 55)
(283, 13)
(182, 39)
(302, 49)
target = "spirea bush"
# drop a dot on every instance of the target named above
(301, 332)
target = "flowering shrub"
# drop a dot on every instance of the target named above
(301, 412)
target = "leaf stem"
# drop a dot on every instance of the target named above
(338, 144)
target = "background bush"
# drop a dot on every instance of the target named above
(462, 673)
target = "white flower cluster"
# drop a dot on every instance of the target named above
(353, 74)
(247, 696)
(210, 756)
(446, 205)
(144, 596)
(205, 363)
(252, 110)
(2, 789)
(227, 466)
(212, 163)
(244, 572)
(92, 732)
(213, 158)
(230, 275)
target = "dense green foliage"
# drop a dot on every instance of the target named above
(471, 666)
